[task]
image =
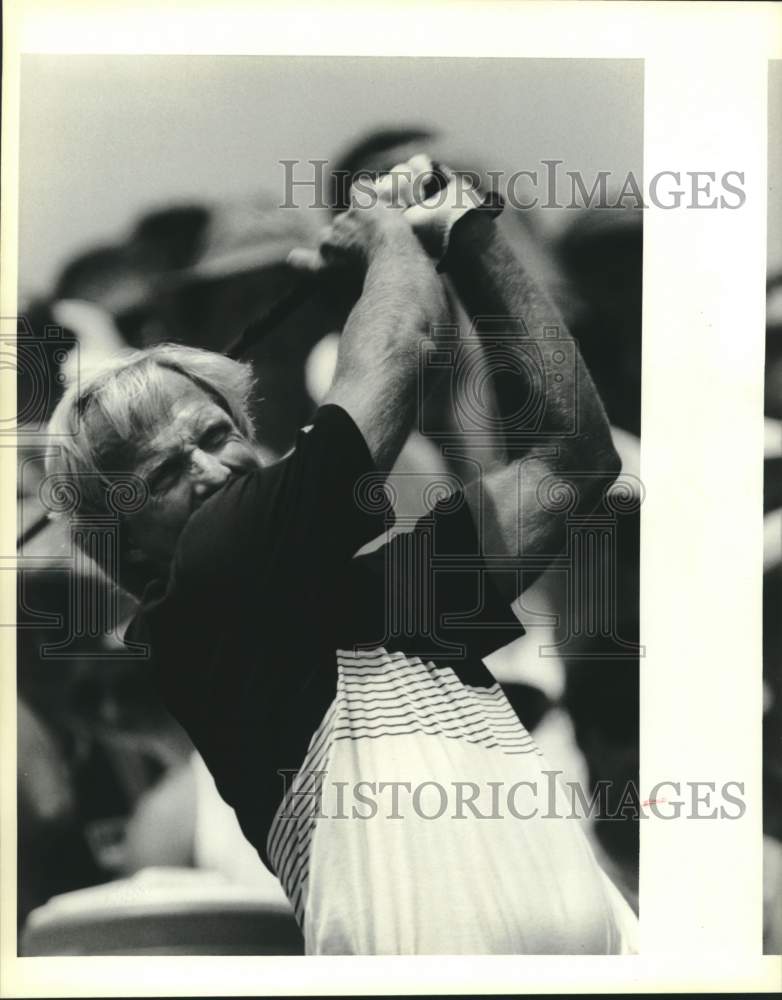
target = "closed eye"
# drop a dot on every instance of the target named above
(215, 436)
(166, 475)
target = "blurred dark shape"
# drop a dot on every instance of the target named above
(772, 483)
(85, 687)
(199, 274)
(239, 273)
(602, 255)
(123, 278)
(773, 379)
(105, 276)
(603, 697)
(772, 718)
(529, 702)
(41, 349)
(92, 736)
(217, 268)
(109, 276)
(170, 238)
(603, 701)
(52, 853)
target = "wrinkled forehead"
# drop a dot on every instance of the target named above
(167, 387)
(182, 408)
(136, 419)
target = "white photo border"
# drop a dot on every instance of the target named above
(701, 555)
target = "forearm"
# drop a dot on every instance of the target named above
(377, 363)
(491, 282)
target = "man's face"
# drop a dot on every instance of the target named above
(197, 449)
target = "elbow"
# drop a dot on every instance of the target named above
(605, 464)
(596, 464)
(609, 461)
(596, 455)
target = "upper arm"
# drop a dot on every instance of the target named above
(378, 356)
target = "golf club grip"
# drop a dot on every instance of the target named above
(302, 289)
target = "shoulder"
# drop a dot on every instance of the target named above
(225, 531)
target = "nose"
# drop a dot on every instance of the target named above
(208, 473)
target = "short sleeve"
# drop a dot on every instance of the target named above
(429, 591)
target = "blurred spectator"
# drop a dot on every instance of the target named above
(772, 719)
(108, 276)
(182, 821)
(602, 255)
(773, 387)
(92, 737)
(52, 852)
(42, 348)
(199, 275)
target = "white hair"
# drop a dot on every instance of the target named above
(101, 422)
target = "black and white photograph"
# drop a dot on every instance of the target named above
(337, 509)
(340, 508)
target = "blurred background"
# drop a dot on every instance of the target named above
(150, 194)
(772, 525)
